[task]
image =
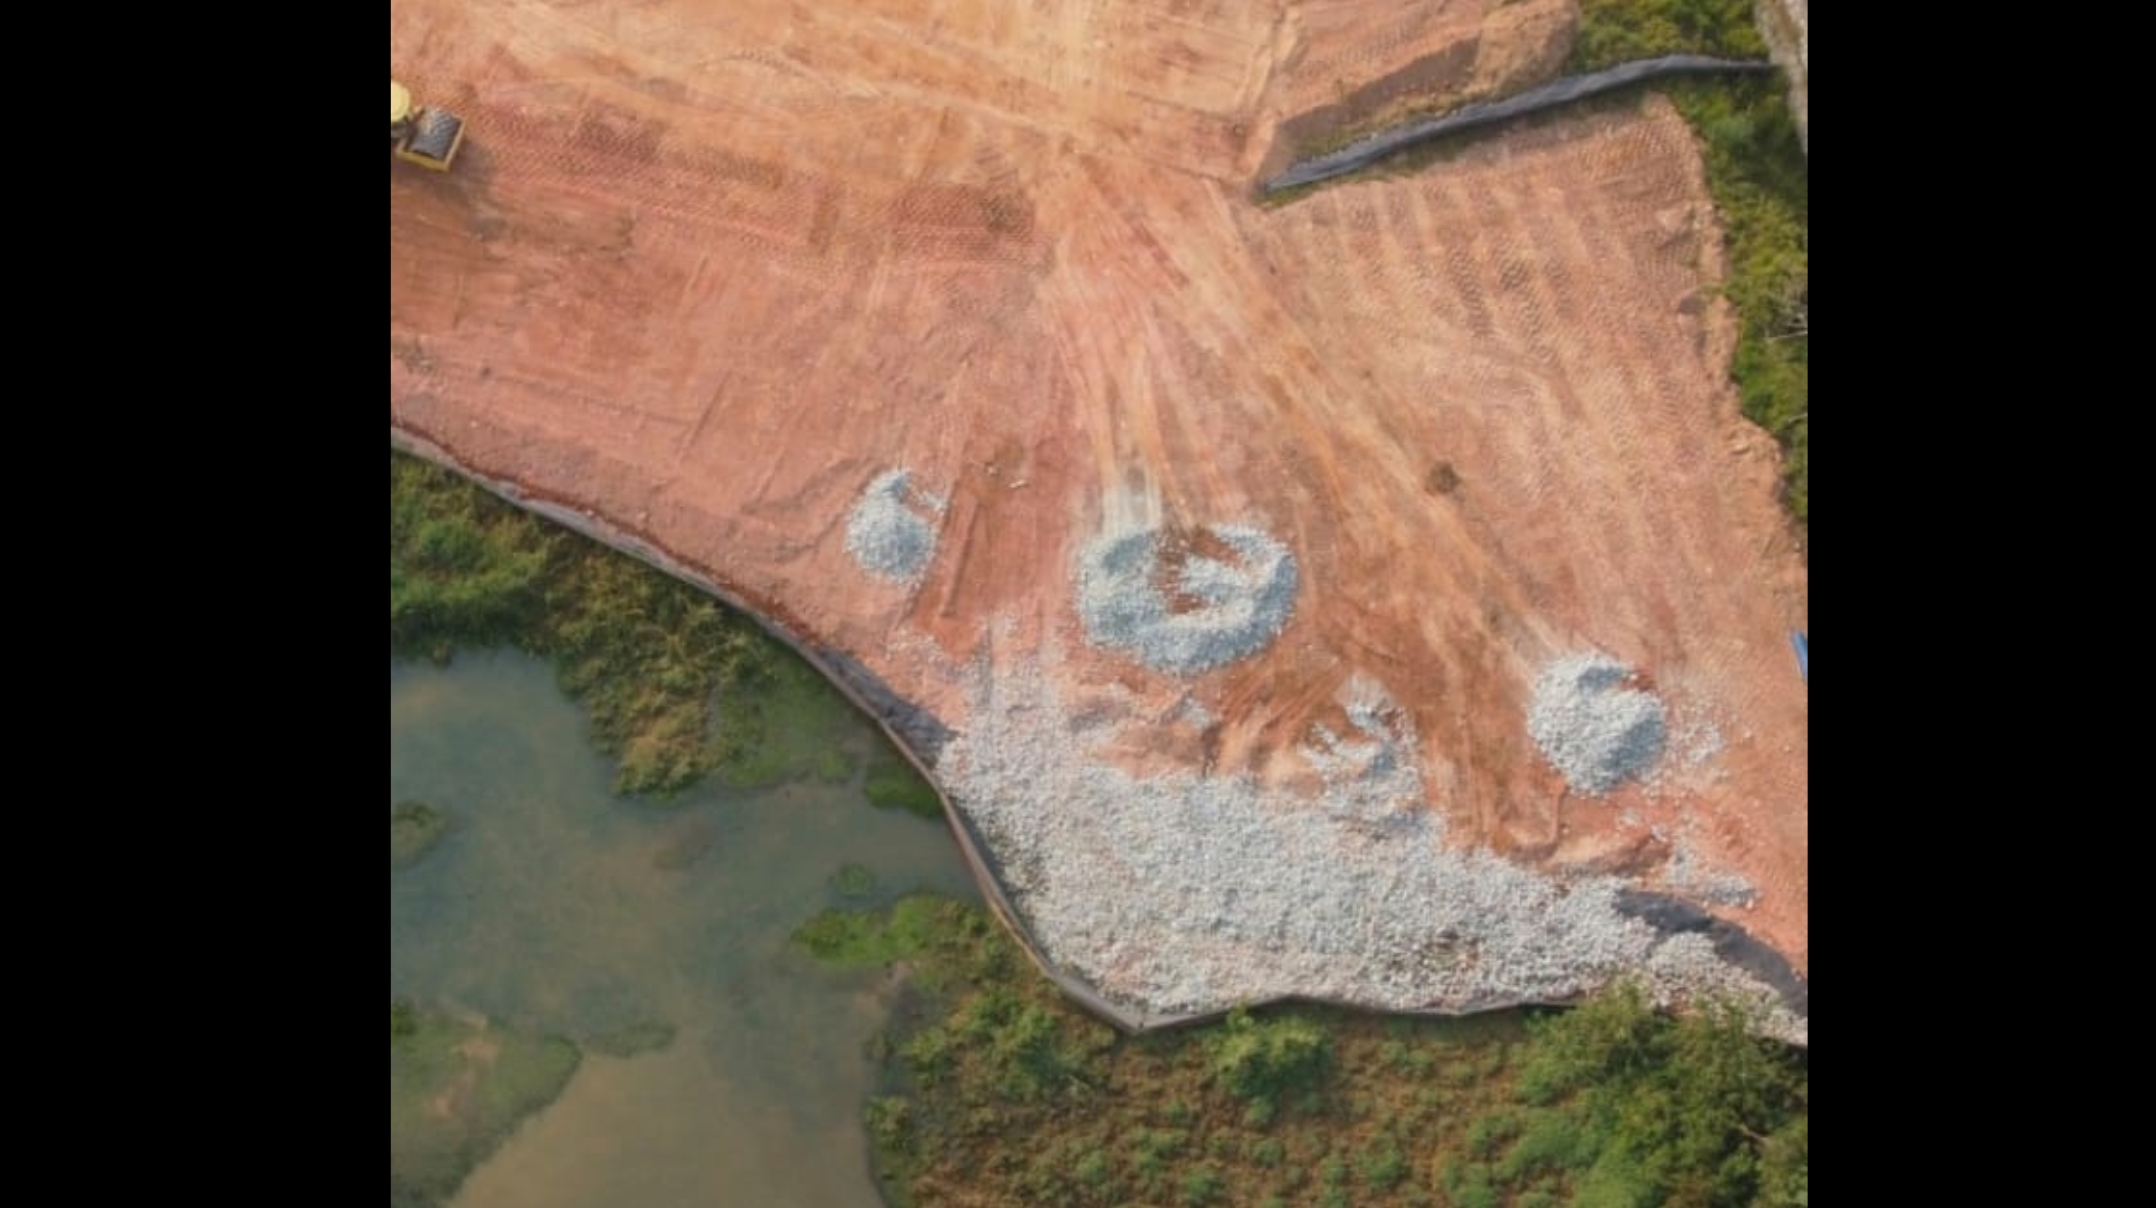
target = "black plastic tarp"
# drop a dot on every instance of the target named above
(1363, 152)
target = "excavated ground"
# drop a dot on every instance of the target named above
(1232, 542)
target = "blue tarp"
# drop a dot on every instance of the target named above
(1804, 662)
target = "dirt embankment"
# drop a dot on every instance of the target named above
(1360, 67)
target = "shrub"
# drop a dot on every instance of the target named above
(1489, 1132)
(1467, 1185)
(1202, 1185)
(1383, 1166)
(1253, 1058)
(1646, 1108)
(1333, 1172)
(1553, 1141)
(1613, 31)
(652, 659)
(1092, 1168)
(930, 1053)
(889, 1120)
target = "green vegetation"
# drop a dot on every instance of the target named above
(414, 828)
(793, 716)
(1001, 1092)
(457, 1088)
(893, 783)
(677, 685)
(914, 925)
(1265, 1060)
(1618, 31)
(1621, 1106)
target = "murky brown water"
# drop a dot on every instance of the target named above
(551, 905)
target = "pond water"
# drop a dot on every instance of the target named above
(550, 906)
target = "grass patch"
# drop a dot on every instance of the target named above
(457, 1089)
(893, 783)
(676, 685)
(795, 718)
(915, 926)
(998, 1092)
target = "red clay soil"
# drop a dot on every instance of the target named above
(704, 269)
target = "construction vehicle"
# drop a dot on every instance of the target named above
(423, 134)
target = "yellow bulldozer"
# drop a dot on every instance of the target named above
(423, 134)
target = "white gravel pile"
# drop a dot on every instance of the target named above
(1241, 606)
(1194, 893)
(1597, 732)
(891, 530)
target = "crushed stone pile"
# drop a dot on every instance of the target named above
(1240, 608)
(890, 531)
(1595, 730)
(1188, 892)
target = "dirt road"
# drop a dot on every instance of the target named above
(705, 270)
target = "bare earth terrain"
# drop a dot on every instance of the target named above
(1232, 541)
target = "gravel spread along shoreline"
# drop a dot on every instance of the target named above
(1191, 893)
